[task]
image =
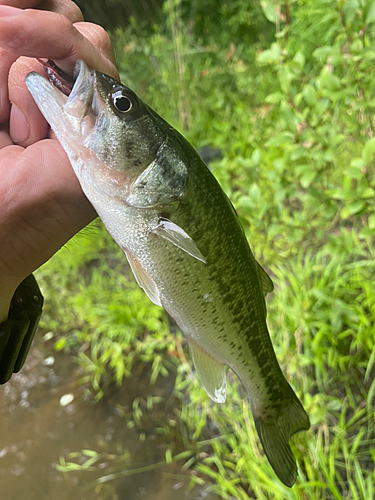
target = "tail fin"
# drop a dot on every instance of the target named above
(274, 433)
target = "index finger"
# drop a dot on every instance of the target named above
(21, 4)
(58, 40)
(66, 7)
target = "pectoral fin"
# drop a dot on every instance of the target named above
(266, 281)
(210, 372)
(143, 279)
(177, 236)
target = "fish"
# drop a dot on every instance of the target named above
(182, 238)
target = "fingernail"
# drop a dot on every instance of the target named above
(19, 128)
(7, 11)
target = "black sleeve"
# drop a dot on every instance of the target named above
(17, 332)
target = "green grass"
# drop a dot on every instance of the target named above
(294, 121)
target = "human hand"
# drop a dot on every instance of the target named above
(41, 202)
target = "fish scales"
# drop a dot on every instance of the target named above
(187, 281)
(235, 292)
(183, 240)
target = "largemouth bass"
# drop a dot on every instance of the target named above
(183, 240)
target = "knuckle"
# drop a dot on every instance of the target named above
(74, 13)
(98, 36)
(65, 7)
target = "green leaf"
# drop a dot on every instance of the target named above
(270, 10)
(256, 156)
(354, 171)
(90, 453)
(60, 344)
(356, 47)
(344, 214)
(371, 223)
(323, 52)
(322, 105)
(254, 192)
(366, 192)
(368, 151)
(343, 194)
(284, 77)
(365, 233)
(307, 178)
(298, 153)
(370, 16)
(274, 98)
(309, 94)
(328, 80)
(299, 58)
(270, 56)
(280, 139)
(356, 206)
(298, 98)
(289, 115)
(349, 10)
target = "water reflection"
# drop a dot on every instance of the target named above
(36, 429)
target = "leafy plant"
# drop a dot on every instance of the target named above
(290, 104)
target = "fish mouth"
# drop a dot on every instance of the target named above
(78, 88)
(61, 80)
(76, 109)
(70, 104)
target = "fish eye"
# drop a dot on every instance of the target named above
(121, 102)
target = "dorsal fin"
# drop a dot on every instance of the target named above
(266, 281)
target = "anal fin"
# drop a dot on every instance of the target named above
(211, 373)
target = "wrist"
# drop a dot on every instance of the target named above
(7, 289)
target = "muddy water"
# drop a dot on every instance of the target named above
(35, 430)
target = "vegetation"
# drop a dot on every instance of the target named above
(287, 92)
